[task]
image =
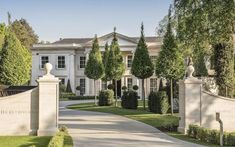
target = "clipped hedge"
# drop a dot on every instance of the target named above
(81, 97)
(66, 94)
(210, 136)
(106, 98)
(129, 100)
(158, 102)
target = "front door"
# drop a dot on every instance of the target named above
(119, 87)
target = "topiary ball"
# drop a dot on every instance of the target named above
(110, 86)
(78, 88)
(135, 87)
(124, 88)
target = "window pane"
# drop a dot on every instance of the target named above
(82, 62)
(129, 83)
(61, 62)
(104, 85)
(83, 86)
(129, 61)
(153, 58)
(44, 60)
(153, 84)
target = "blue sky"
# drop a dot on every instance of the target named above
(54, 19)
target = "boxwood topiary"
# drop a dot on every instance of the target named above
(158, 102)
(106, 98)
(129, 100)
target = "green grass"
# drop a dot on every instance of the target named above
(24, 141)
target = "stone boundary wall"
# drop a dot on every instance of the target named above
(199, 107)
(19, 113)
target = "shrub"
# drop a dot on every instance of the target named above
(110, 86)
(78, 88)
(129, 100)
(106, 97)
(210, 136)
(135, 87)
(124, 88)
(81, 97)
(158, 102)
(57, 140)
(66, 94)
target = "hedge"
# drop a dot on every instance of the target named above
(61, 139)
(158, 102)
(211, 136)
(129, 100)
(106, 97)
(81, 97)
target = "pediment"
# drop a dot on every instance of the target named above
(122, 40)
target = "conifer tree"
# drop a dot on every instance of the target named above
(105, 60)
(115, 66)
(170, 63)
(142, 66)
(68, 87)
(94, 68)
(15, 63)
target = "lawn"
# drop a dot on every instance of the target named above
(24, 141)
(156, 120)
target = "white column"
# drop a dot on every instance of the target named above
(72, 71)
(48, 103)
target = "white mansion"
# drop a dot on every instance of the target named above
(68, 57)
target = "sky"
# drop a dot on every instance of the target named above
(54, 19)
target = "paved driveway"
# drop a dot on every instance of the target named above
(94, 129)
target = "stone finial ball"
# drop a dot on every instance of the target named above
(48, 67)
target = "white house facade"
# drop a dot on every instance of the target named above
(68, 57)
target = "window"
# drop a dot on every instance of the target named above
(129, 83)
(82, 86)
(129, 61)
(153, 84)
(61, 62)
(44, 60)
(153, 59)
(82, 62)
(62, 81)
(104, 85)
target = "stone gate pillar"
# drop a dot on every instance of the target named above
(189, 101)
(48, 103)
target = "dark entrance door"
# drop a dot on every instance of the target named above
(119, 87)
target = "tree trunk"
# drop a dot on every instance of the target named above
(143, 93)
(172, 103)
(115, 93)
(95, 93)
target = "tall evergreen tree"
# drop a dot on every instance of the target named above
(170, 63)
(24, 33)
(105, 60)
(2, 35)
(94, 68)
(115, 67)
(142, 66)
(15, 63)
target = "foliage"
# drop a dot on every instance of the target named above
(64, 95)
(111, 86)
(124, 88)
(68, 88)
(106, 98)
(24, 33)
(94, 67)
(2, 35)
(129, 100)
(161, 85)
(78, 88)
(105, 60)
(142, 66)
(158, 102)
(115, 66)
(15, 63)
(170, 62)
(61, 139)
(135, 87)
(210, 136)
(73, 97)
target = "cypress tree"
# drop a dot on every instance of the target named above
(15, 63)
(68, 87)
(170, 63)
(94, 68)
(115, 67)
(2, 35)
(105, 60)
(142, 66)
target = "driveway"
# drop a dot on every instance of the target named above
(95, 129)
